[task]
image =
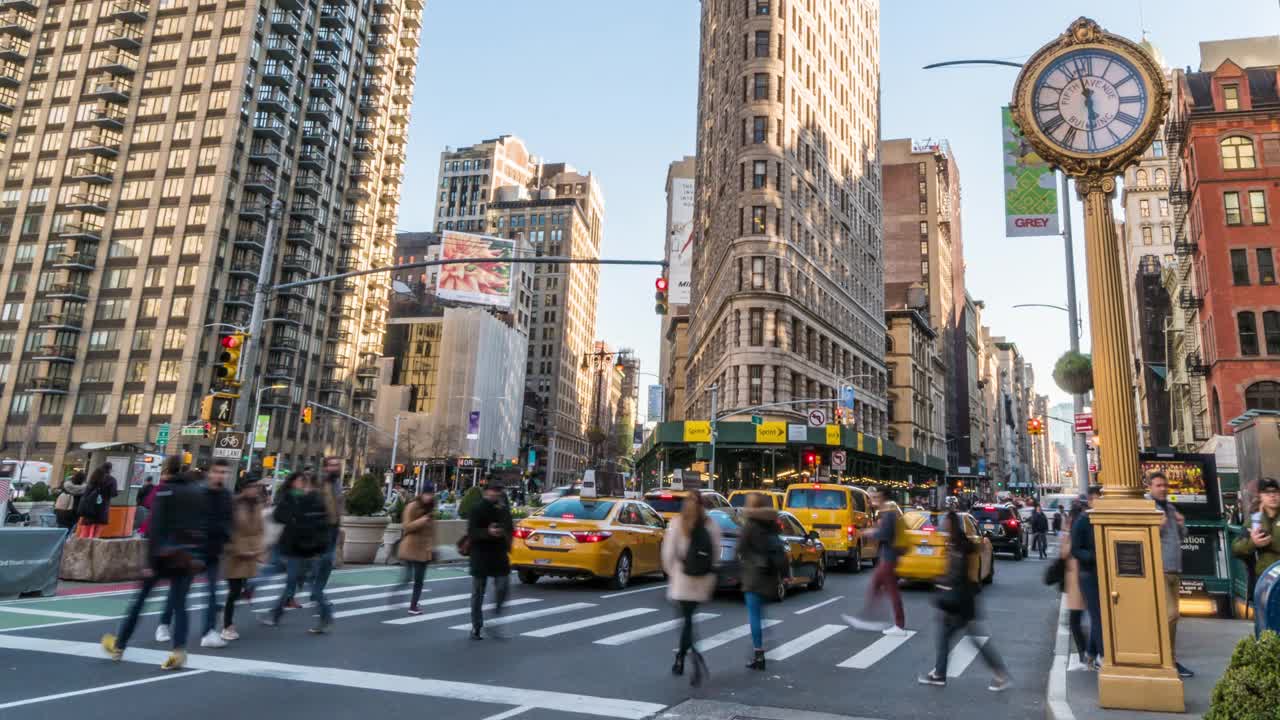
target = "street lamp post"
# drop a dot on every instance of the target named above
(253, 428)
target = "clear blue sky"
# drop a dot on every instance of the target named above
(612, 88)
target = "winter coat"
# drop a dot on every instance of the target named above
(1243, 547)
(217, 520)
(758, 533)
(1082, 545)
(71, 492)
(1071, 578)
(675, 546)
(885, 533)
(490, 555)
(94, 506)
(301, 513)
(248, 531)
(1039, 522)
(419, 533)
(178, 520)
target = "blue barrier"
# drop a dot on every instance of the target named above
(1266, 601)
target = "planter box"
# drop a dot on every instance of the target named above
(363, 537)
(103, 560)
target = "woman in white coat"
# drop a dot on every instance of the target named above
(690, 551)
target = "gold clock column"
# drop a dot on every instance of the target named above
(1137, 672)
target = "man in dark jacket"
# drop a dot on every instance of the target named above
(1039, 531)
(884, 581)
(217, 534)
(304, 539)
(176, 551)
(1085, 553)
(489, 529)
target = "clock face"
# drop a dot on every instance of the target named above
(1089, 101)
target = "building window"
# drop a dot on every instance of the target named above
(1263, 395)
(1266, 267)
(1230, 97)
(1240, 267)
(1247, 327)
(756, 318)
(756, 374)
(762, 43)
(1144, 208)
(1231, 201)
(1142, 178)
(1161, 178)
(762, 7)
(758, 220)
(757, 273)
(759, 130)
(1257, 207)
(1166, 235)
(760, 86)
(759, 172)
(924, 228)
(1157, 149)
(1271, 331)
(1237, 153)
(1146, 235)
(1164, 207)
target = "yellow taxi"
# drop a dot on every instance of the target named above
(925, 559)
(738, 498)
(589, 537)
(667, 501)
(841, 515)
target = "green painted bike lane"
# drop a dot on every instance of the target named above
(19, 614)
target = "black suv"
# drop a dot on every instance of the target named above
(1000, 523)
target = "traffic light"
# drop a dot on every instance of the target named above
(810, 458)
(206, 408)
(1035, 426)
(208, 429)
(308, 414)
(660, 296)
(269, 462)
(228, 370)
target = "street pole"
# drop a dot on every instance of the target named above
(395, 443)
(249, 359)
(253, 427)
(1077, 400)
(715, 391)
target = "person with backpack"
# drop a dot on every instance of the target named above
(890, 534)
(490, 530)
(64, 509)
(417, 543)
(303, 541)
(762, 557)
(958, 602)
(690, 550)
(94, 508)
(175, 553)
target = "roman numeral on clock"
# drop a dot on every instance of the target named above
(1130, 98)
(1069, 137)
(1052, 124)
(1127, 119)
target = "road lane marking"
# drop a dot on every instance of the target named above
(52, 613)
(104, 688)
(454, 613)
(507, 619)
(394, 606)
(815, 607)
(877, 651)
(342, 677)
(730, 635)
(633, 592)
(633, 635)
(347, 600)
(588, 622)
(963, 654)
(511, 713)
(804, 642)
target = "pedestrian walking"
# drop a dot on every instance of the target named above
(1260, 549)
(762, 559)
(94, 507)
(248, 530)
(958, 604)
(1173, 530)
(1085, 553)
(304, 541)
(218, 511)
(64, 508)
(1071, 586)
(1039, 531)
(489, 532)
(175, 553)
(690, 550)
(330, 485)
(417, 543)
(884, 581)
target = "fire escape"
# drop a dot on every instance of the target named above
(1188, 299)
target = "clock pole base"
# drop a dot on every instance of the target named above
(1139, 688)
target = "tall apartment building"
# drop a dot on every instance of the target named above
(788, 286)
(917, 373)
(470, 176)
(1222, 137)
(922, 244)
(674, 346)
(150, 149)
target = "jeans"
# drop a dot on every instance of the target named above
(296, 569)
(885, 580)
(1040, 543)
(501, 583)
(1075, 620)
(416, 571)
(687, 609)
(176, 605)
(1089, 587)
(755, 616)
(952, 624)
(210, 573)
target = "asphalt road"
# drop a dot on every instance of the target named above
(572, 650)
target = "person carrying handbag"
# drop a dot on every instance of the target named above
(762, 558)
(957, 602)
(417, 544)
(690, 550)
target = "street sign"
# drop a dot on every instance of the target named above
(260, 432)
(756, 420)
(193, 431)
(838, 459)
(1084, 422)
(817, 417)
(228, 444)
(162, 435)
(847, 396)
(224, 409)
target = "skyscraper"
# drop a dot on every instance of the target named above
(470, 176)
(157, 151)
(788, 285)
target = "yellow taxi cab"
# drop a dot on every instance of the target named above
(738, 498)
(925, 559)
(841, 515)
(667, 501)
(589, 537)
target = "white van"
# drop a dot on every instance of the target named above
(23, 475)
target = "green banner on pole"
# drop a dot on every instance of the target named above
(1030, 186)
(260, 432)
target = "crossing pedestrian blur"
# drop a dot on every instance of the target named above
(417, 543)
(690, 551)
(762, 559)
(304, 540)
(489, 537)
(242, 553)
(884, 581)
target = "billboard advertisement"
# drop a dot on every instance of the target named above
(480, 283)
(1030, 186)
(680, 241)
(655, 403)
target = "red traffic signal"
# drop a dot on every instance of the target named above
(660, 296)
(660, 284)
(231, 341)
(811, 458)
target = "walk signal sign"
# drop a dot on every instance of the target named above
(660, 296)
(228, 370)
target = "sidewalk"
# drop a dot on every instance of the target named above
(1207, 646)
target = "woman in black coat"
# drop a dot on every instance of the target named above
(94, 508)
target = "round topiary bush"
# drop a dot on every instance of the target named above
(38, 492)
(1250, 688)
(470, 499)
(1074, 373)
(365, 497)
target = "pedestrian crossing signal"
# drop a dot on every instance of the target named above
(308, 414)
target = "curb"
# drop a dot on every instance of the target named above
(1056, 706)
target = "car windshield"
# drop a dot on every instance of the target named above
(921, 519)
(740, 500)
(728, 522)
(665, 502)
(988, 513)
(579, 509)
(816, 499)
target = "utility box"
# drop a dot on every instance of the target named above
(1257, 451)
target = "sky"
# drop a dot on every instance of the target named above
(610, 86)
